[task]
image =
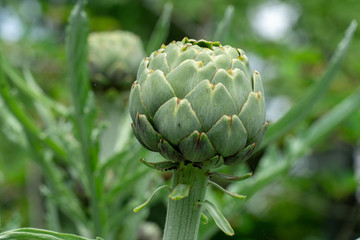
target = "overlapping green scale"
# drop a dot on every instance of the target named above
(157, 84)
(196, 147)
(135, 100)
(228, 135)
(253, 114)
(176, 120)
(184, 77)
(236, 83)
(232, 52)
(210, 102)
(223, 61)
(143, 65)
(159, 62)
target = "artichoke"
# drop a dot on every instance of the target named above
(197, 101)
(114, 58)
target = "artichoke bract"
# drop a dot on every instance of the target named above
(114, 58)
(198, 101)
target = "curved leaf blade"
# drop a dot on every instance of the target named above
(161, 30)
(138, 208)
(39, 234)
(222, 29)
(303, 107)
(219, 218)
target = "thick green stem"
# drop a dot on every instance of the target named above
(183, 216)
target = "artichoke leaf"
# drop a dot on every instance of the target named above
(146, 132)
(212, 163)
(184, 77)
(222, 60)
(138, 137)
(159, 62)
(136, 102)
(196, 147)
(238, 64)
(155, 91)
(236, 83)
(240, 156)
(211, 102)
(257, 83)
(260, 135)
(228, 135)
(168, 152)
(176, 120)
(162, 166)
(252, 114)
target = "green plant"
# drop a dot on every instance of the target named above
(67, 159)
(196, 124)
(82, 184)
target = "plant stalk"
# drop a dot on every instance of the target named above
(183, 216)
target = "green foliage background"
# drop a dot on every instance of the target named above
(312, 195)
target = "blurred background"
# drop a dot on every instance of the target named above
(289, 42)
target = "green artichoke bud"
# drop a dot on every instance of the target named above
(197, 101)
(114, 58)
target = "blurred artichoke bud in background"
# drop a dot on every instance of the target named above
(114, 58)
(198, 101)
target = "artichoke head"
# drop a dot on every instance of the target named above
(114, 58)
(197, 101)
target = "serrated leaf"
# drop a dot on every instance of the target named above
(180, 191)
(76, 51)
(313, 95)
(219, 218)
(19, 82)
(138, 208)
(39, 234)
(17, 110)
(235, 195)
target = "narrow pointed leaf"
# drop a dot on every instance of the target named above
(222, 176)
(222, 30)
(303, 107)
(235, 195)
(212, 163)
(162, 166)
(330, 120)
(161, 29)
(39, 234)
(17, 110)
(240, 156)
(180, 191)
(219, 218)
(138, 208)
(168, 152)
(19, 82)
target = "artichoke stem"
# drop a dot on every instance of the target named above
(183, 216)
